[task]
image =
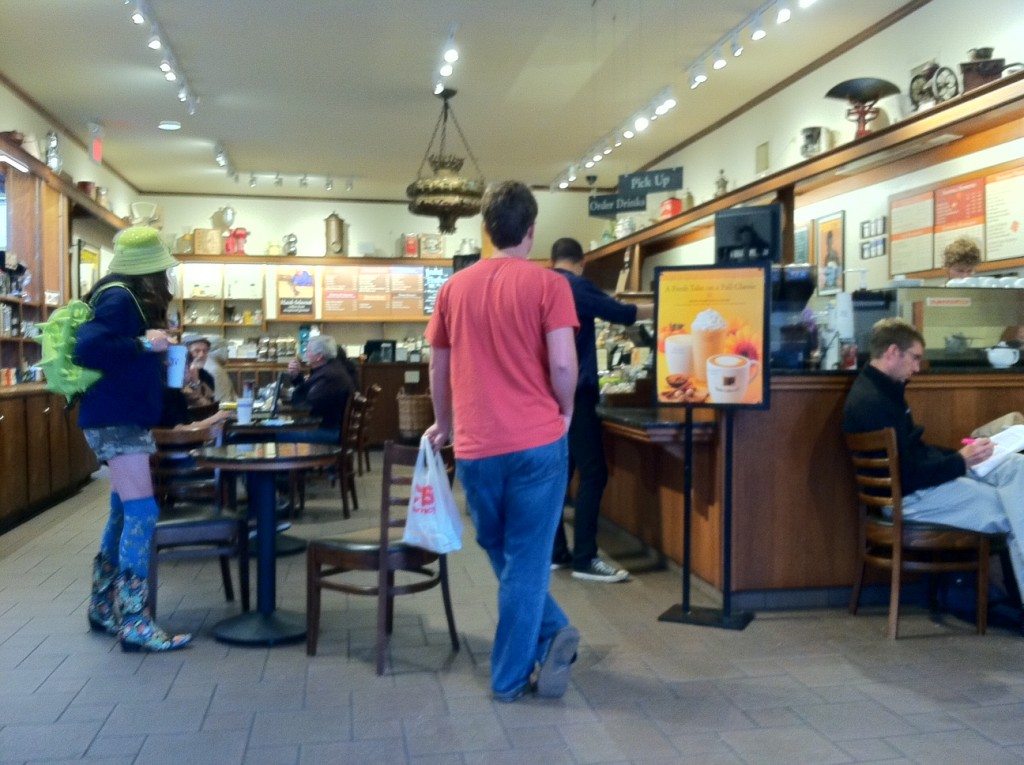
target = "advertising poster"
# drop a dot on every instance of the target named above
(712, 327)
(959, 212)
(295, 288)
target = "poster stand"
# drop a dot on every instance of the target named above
(713, 355)
(685, 613)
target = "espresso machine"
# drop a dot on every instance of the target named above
(793, 341)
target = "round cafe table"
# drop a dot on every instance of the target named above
(266, 626)
(262, 430)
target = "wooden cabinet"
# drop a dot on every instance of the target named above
(13, 459)
(391, 378)
(37, 419)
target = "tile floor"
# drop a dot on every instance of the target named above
(794, 687)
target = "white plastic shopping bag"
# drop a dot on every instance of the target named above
(433, 521)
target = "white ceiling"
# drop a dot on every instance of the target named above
(343, 88)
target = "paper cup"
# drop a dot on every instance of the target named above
(177, 361)
(243, 414)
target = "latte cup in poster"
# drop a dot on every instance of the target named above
(712, 328)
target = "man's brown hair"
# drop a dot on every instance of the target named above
(892, 331)
(962, 253)
(509, 209)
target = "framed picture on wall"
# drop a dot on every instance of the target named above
(828, 246)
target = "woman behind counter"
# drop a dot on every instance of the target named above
(125, 340)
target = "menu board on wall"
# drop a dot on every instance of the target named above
(373, 292)
(959, 212)
(406, 292)
(295, 289)
(433, 279)
(711, 348)
(340, 290)
(1004, 214)
(912, 221)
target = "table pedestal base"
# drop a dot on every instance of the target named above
(257, 629)
(707, 617)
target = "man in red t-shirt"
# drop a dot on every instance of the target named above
(503, 361)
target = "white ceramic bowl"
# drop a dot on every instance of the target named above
(971, 281)
(1019, 282)
(1008, 281)
(988, 281)
(958, 282)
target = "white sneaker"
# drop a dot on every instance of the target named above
(600, 571)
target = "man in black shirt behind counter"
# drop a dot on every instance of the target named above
(938, 486)
(586, 448)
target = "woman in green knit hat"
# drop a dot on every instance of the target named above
(125, 340)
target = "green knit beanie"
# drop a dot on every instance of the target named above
(138, 251)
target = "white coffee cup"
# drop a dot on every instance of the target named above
(729, 376)
(679, 354)
(177, 361)
(243, 414)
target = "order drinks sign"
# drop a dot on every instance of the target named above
(712, 328)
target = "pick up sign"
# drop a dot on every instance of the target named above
(651, 182)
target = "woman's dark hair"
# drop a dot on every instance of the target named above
(149, 289)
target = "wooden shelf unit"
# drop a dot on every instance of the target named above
(987, 114)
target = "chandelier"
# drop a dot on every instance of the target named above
(446, 194)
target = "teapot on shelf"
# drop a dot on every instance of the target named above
(1002, 356)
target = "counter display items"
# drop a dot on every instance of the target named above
(713, 352)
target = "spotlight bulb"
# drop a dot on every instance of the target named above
(446, 70)
(641, 124)
(451, 55)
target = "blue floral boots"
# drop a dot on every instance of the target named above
(101, 603)
(138, 631)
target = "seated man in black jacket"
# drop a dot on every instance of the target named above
(937, 484)
(324, 391)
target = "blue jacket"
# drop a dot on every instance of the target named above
(592, 303)
(131, 389)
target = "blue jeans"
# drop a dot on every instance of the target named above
(515, 501)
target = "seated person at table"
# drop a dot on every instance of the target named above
(937, 487)
(324, 391)
(199, 384)
(961, 257)
(215, 363)
(177, 412)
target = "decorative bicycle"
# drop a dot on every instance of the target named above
(931, 82)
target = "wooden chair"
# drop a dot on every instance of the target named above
(362, 452)
(899, 545)
(192, 522)
(346, 474)
(380, 550)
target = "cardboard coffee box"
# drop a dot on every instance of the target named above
(432, 246)
(207, 241)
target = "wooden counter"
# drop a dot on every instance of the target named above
(794, 512)
(43, 454)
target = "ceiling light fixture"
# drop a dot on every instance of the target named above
(718, 59)
(252, 181)
(697, 78)
(278, 180)
(451, 55)
(220, 156)
(154, 41)
(329, 184)
(304, 181)
(349, 184)
(736, 46)
(447, 194)
(784, 13)
(446, 70)
(639, 121)
(563, 184)
(157, 41)
(183, 93)
(757, 30)
(138, 16)
(169, 125)
(806, 3)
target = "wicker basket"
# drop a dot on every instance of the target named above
(415, 414)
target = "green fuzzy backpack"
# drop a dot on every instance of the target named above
(58, 337)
